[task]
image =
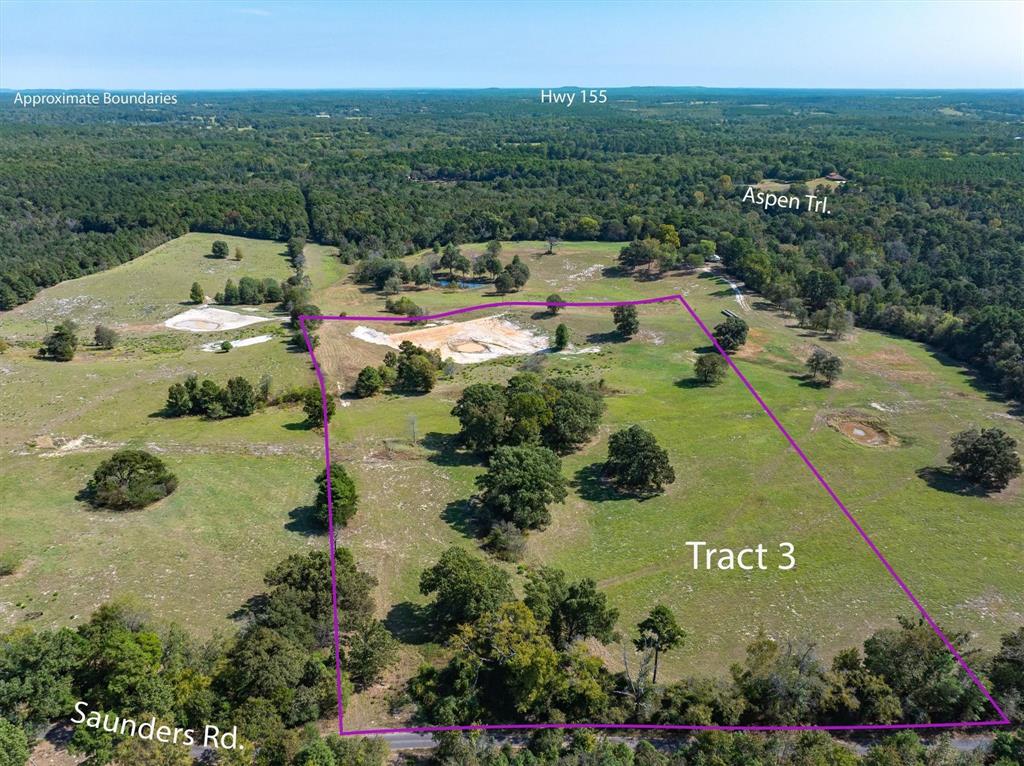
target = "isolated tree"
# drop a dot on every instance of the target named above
(240, 397)
(493, 248)
(481, 412)
(552, 244)
(465, 587)
(520, 483)
(344, 498)
(552, 299)
(561, 337)
(226, 346)
(504, 283)
(312, 405)
(197, 295)
(636, 463)
(828, 366)
(368, 383)
(220, 248)
(105, 337)
(987, 457)
(61, 344)
(130, 478)
(238, 253)
(731, 334)
(710, 368)
(626, 319)
(659, 631)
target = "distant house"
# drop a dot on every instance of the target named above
(835, 177)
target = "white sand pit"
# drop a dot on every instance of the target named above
(215, 346)
(208, 319)
(464, 342)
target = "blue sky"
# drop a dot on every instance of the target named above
(266, 44)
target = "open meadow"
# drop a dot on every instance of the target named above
(196, 556)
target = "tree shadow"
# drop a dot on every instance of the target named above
(252, 607)
(410, 623)
(445, 450)
(763, 306)
(692, 383)
(705, 350)
(302, 425)
(460, 516)
(943, 479)
(809, 381)
(591, 485)
(537, 315)
(613, 272)
(612, 336)
(303, 521)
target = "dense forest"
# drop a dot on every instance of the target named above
(926, 239)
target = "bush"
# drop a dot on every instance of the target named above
(709, 369)
(312, 405)
(343, 497)
(220, 249)
(561, 337)
(105, 337)
(130, 479)
(626, 320)
(987, 457)
(731, 334)
(506, 541)
(368, 383)
(61, 344)
(636, 463)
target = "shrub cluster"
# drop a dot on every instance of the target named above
(249, 292)
(412, 370)
(238, 398)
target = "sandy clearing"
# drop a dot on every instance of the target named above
(464, 342)
(208, 319)
(238, 343)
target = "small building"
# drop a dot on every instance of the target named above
(835, 177)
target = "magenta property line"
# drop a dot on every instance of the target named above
(1002, 721)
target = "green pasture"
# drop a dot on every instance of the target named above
(198, 555)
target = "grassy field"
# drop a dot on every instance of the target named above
(241, 480)
(738, 482)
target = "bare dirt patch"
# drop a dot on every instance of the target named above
(464, 342)
(896, 364)
(208, 319)
(863, 431)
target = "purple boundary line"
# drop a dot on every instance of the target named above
(1003, 720)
